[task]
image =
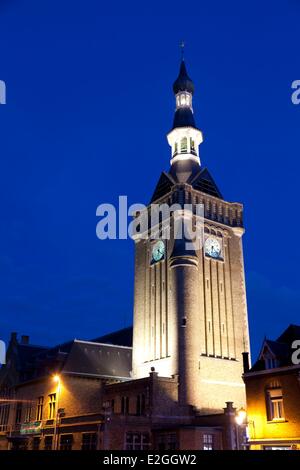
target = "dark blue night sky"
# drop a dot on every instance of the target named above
(89, 102)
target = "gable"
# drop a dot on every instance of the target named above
(205, 183)
(164, 186)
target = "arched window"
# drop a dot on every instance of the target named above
(175, 148)
(183, 145)
(192, 143)
(184, 99)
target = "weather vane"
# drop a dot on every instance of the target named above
(182, 45)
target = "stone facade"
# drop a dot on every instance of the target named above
(214, 290)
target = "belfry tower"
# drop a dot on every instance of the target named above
(190, 312)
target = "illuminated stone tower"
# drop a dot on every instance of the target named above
(190, 313)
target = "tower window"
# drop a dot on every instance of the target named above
(183, 99)
(184, 144)
(192, 142)
(175, 148)
(183, 321)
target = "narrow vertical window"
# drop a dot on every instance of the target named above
(52, 406)
(274, 400)
(39, 410)
(208, 442)
(19, 413)
(184, 145)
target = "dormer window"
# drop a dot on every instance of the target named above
(270, 361)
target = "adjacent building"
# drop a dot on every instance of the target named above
(51, 398)
(273, 394)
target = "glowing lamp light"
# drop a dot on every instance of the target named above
(241, 417)
(56, 378)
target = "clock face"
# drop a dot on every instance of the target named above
(158, 251)
(212, 247)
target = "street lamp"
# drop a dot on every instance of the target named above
(240, 419)
(56, 379)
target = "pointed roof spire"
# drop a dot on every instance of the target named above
(182, 46)
(183, 81)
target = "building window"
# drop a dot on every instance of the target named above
(137, 441)
(192, 145)
(125, 405)
(208, 441)
(183, 99)
(36, 443)
(39, 410)
(175, 148)
(48, 442)
(167, 442)
(270, 362)
(183, 145)
(66, 442)
(19, 413)
(52, 406)
(89, 441)
(140, 404)
(275, 409)
(28, 412)
(4, 414)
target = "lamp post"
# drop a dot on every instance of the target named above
(240, 419)
(107, 415)
(56, 379)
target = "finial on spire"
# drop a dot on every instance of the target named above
(182, 46)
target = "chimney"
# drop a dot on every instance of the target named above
(13, 337)
(24, 339)
(229, 410)
(246, 362)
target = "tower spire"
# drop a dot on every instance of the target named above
(182, 46)
(185, 137)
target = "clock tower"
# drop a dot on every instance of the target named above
(190, 312)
